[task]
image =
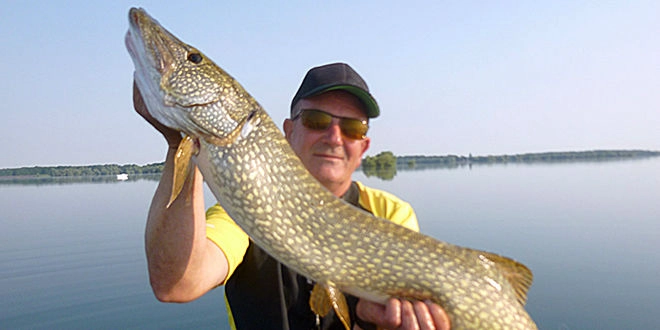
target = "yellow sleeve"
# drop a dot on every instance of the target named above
(227, 235)
(385, 205)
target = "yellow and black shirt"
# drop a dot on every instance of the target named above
(261, 293)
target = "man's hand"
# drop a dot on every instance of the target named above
(173, 137)
(403, 314)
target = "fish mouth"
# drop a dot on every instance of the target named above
(157, 55)
(151, 43)
(146, 44)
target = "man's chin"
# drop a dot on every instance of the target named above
(328, 172)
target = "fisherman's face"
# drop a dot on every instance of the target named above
(328, 155)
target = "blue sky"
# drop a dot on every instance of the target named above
(451, 77)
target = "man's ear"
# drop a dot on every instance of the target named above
(287, 126)
(366, 143)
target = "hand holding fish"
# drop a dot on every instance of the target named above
(403, 314)
(173, 137)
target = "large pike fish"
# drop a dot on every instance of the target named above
(261, 183)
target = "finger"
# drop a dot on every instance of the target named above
(138, 101)
(392, 317)
(141, 107)
(370, 312)
(440, 317)
(367, 310)
(408, 316)
(423, 315)
(386, 316)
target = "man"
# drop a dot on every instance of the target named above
(189, 252)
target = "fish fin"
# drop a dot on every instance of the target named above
(182, 167)
(326, 296)
(518, 275)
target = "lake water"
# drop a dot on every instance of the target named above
(72, 254)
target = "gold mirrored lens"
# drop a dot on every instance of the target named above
(321, 120)
(353, 128)
(316, 120)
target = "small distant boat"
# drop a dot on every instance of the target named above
(122, 177)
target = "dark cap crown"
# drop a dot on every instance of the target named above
(336, 76)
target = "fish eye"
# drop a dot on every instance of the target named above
(195, 58)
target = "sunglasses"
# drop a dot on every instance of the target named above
(318, 120)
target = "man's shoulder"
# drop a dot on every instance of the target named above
(388, 206)
(370, 193)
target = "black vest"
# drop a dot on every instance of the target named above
(264, 294)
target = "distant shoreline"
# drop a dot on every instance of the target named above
(526, 158)
(400, 162)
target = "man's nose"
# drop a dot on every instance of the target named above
(333, 134)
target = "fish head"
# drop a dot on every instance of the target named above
(182, 88)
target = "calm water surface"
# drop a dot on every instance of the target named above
(72, 255)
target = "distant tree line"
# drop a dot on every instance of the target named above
(573, 156)
(383, 165)
(90, 170)
(385, 159)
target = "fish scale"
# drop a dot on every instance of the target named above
(257, 178)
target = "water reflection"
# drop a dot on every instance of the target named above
(72, 253)
(383, 173)
(389, 173)
(587, 230)
(69, 180)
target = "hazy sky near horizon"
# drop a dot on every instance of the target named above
(451, 77)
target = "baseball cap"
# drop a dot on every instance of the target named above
(336, 76)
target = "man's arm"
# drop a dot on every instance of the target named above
(183, 264)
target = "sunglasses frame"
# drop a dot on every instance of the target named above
(343, 128)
